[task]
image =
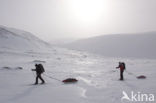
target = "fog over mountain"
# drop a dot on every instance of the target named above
(140, 45)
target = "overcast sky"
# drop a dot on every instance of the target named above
(50, 19)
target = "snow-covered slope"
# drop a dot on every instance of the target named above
(98, 78)
(14, 39)
(119, 45)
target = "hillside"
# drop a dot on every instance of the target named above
(97, 76)
(119, 45)
(18, 40)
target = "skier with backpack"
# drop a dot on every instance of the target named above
(39, 70)
(122, 68)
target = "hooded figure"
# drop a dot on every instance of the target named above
(122, 68)
(39, 70)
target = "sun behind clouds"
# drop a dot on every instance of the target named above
(87, 10)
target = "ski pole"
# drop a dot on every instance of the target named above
(33, 73)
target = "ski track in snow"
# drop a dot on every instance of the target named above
(98, 78)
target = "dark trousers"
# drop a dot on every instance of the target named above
(39, 77)
(121, 74)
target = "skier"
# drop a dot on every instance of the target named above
(122, 68)
(39, 70)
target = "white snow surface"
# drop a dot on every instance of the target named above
(137, 45)
(19, 40)
(98, 78)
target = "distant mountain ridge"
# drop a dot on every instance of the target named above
(140, 45)
(15, 39)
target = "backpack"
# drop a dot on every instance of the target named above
(124, 65)
(41, 68)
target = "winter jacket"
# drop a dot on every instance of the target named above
(38, 69)
(121, 66)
